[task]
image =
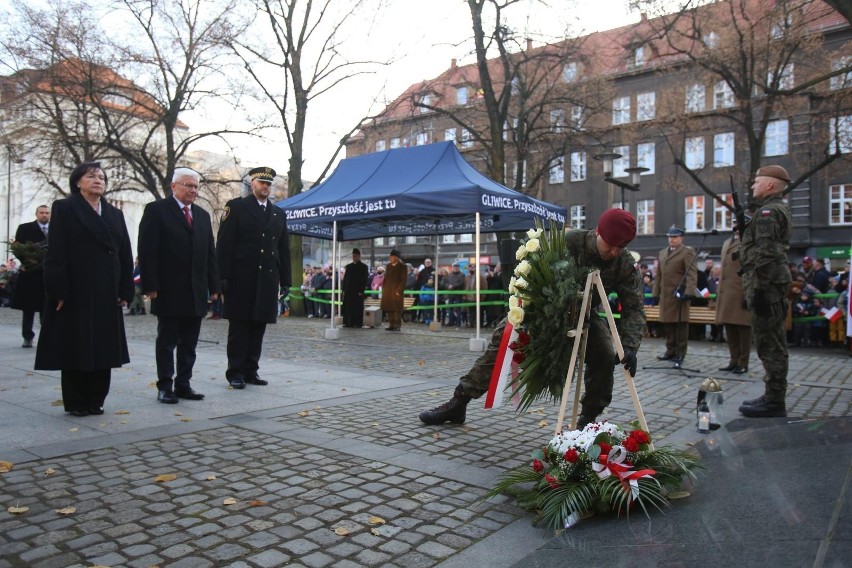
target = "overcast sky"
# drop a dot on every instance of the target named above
(424, 36)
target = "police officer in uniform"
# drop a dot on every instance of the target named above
(674, 293)
(766, 280)
(601, 248)
(253, 251)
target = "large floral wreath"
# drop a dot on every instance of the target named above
(600, 468)
(546, 294)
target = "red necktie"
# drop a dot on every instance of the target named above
(187, 215)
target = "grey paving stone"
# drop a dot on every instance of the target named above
(316, 560)
(269, 559)
(371, 557)
(299, 546)
(435, 550)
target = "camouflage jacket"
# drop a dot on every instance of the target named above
(763, 252)
(620, 275)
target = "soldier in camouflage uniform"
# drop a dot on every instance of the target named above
(766, 280)
(603, 249)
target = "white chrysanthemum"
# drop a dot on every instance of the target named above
(523, 268)
(521, 253)
(535, 233)
(516, 315)
(533, 245)
(514, 302)
(521, 283)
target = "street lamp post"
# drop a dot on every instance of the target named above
(608, 158)
(11, 156)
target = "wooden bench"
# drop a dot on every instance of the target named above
(697, 314)
(407, 301)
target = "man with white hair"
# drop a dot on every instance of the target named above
(177, 266)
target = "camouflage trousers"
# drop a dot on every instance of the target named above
(597, 379)
(770, 340)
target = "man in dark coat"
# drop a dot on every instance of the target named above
(253, 250)
(29, 293)
(354, 284)
(177, 263)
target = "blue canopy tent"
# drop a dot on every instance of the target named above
(424, 190)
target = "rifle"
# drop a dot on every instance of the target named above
(739, 212)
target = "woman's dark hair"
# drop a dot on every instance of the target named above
(82, 170)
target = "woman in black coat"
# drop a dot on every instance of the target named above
(88, 277)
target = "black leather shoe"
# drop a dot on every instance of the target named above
(79, 413)
(188, 394)
(167, 396)
(764, 409)
(739, 370)
(453, 411)
(730, 367)
(237, 383)
(256, 381)
(665, 357)
(96, 411)
(28, 344)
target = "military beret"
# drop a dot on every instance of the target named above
(617, 227)
(776, 172)
(675, 232)
(262, 174)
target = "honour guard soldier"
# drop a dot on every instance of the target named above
(253, 250)
(674, 292)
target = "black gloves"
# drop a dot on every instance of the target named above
(629, 361)
(761, 304)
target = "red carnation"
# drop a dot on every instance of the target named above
(552, 481)
(631, 445)
(514, 346)
(640, 436)
(523, 337)
(571, 456)
(605, 448)
(518, 357)
(537, 465)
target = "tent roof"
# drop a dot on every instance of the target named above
(422, 190)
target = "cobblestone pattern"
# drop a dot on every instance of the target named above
(290, 499)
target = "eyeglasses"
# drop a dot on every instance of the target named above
(188, 185)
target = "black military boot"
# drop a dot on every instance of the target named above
(453, 411)
(764, 409)
(587, 415)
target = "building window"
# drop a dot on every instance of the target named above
(450, 135)
(694, 153)
(775, 143)
(693, 207)
(645, 106)
(711, 40)
(780, 28)
(557, 171)
(645, 217)
(422, 138)
(723, 149)
(578, 117)
(621, 110)
(425, 100)
(723, 96)
(380, 145)
(645, 157)
(578, 166)
(516, 85)
(117, 100)
(569, 72)
(557, 120)
(461, 95)
(411, 240)
(639, 56)
(695, 98)
(785, 80)
(578, 216)
(509, 131)
(394, 143)
(840, 204)
(619, 165)
(840, 135)
(466, 138)
(379, 241)
(448, 239)
(844, 80)
(466, 238)
(723, 217)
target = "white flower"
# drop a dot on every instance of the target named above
(521, 283)
(521, 252)
(514, 302)
(533, 245)
(516, 316)
(534, 233)
(513, 289)
(523, 268)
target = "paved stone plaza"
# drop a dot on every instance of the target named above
(329, 466)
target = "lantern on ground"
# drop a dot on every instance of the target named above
(709, 405)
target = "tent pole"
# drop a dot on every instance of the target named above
(333, 332)
(476, 343)
(436, 323)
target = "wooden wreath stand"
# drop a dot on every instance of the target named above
(578, 354)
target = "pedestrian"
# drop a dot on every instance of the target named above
(730, 310)
(353, 286)
(177, 261)
(137, 306)
(601, 248)
(88, 278)
(674, 293)
(29, 290)
(253, 250)
(766, 281)
(393, 286)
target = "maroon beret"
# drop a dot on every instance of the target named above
(776, 172)
(617, 227)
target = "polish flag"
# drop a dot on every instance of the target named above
(705, 292)
(504, 369)
(832, 314)
(137, 279)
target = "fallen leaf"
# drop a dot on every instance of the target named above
(73, 429)
(18, 510)
(123, 422)
(178, 414)
(304, 413)
(185, 419)
(162, 478)
(6, 466)
(229, 501)
(57, 403)
(375, 423)
(373, 520)
(374, 532)
(256, 503)
(421, 362)
(49, 471)
(317, 407)
(436, 435)
(67, 510)
(341, 531)
(122, 412)
(211, 477)
(542, 424)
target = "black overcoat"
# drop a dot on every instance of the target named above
(29, 290)
(176, 260)
(253, 249)
(89, 265)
